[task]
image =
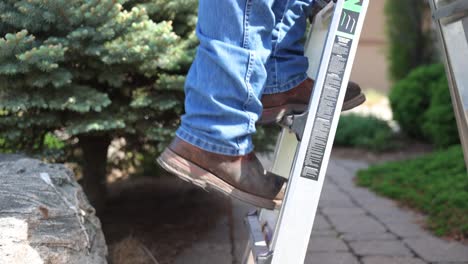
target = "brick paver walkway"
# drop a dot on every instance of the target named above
(353, 225)
(356, 226)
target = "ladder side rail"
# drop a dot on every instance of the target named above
(287, 143)
(315, 97)
(301, 201)
(459, 107)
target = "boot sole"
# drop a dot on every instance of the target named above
(190, 172)
(275, 114)
(354, 102)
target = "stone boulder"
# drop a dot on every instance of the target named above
(45, 216)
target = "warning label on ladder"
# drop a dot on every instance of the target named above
(326, 109)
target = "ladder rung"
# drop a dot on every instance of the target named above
(260, 250)
(459, 6)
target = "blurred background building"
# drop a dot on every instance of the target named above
(370, 67)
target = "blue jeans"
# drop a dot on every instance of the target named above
(247, 48)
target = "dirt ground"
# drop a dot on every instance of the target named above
(151, 220)
(407, 151)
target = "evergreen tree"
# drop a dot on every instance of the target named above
(93, 70)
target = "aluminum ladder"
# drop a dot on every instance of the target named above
(303, 149)
(451, 22)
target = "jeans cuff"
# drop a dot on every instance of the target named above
(244, 148)
(286, 86)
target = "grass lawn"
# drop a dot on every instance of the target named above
(435, 184)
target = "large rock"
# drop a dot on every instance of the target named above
(45, 216)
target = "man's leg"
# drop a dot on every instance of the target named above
(287, 64)
(226, 79)
(287, 88)
(213, 147)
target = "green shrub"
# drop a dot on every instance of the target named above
(439, 123)
(422, 106)
(435, 184)
(410, 98)
(410, 42)
(365, 132)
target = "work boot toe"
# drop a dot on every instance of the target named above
(296, 100)
(241, 177)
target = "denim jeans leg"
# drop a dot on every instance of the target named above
(227, 76)
(287, 65)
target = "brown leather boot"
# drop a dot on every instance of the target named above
(242, 177)
(296, 100)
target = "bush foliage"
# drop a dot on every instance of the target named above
(367, 132)
(411, 43)
(439, 120)
(422, 106)
(435, 184)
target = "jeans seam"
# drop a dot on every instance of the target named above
(279, 31)
(276, 74)
(203, 144)
(284, 84)
(248, 8)
(287, 86)
(249, 90)
(275, 48)
(245, 44)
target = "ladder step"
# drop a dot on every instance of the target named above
(258, 239)
(337, 27)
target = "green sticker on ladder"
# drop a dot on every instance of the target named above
(350, 16)
(353, 5)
